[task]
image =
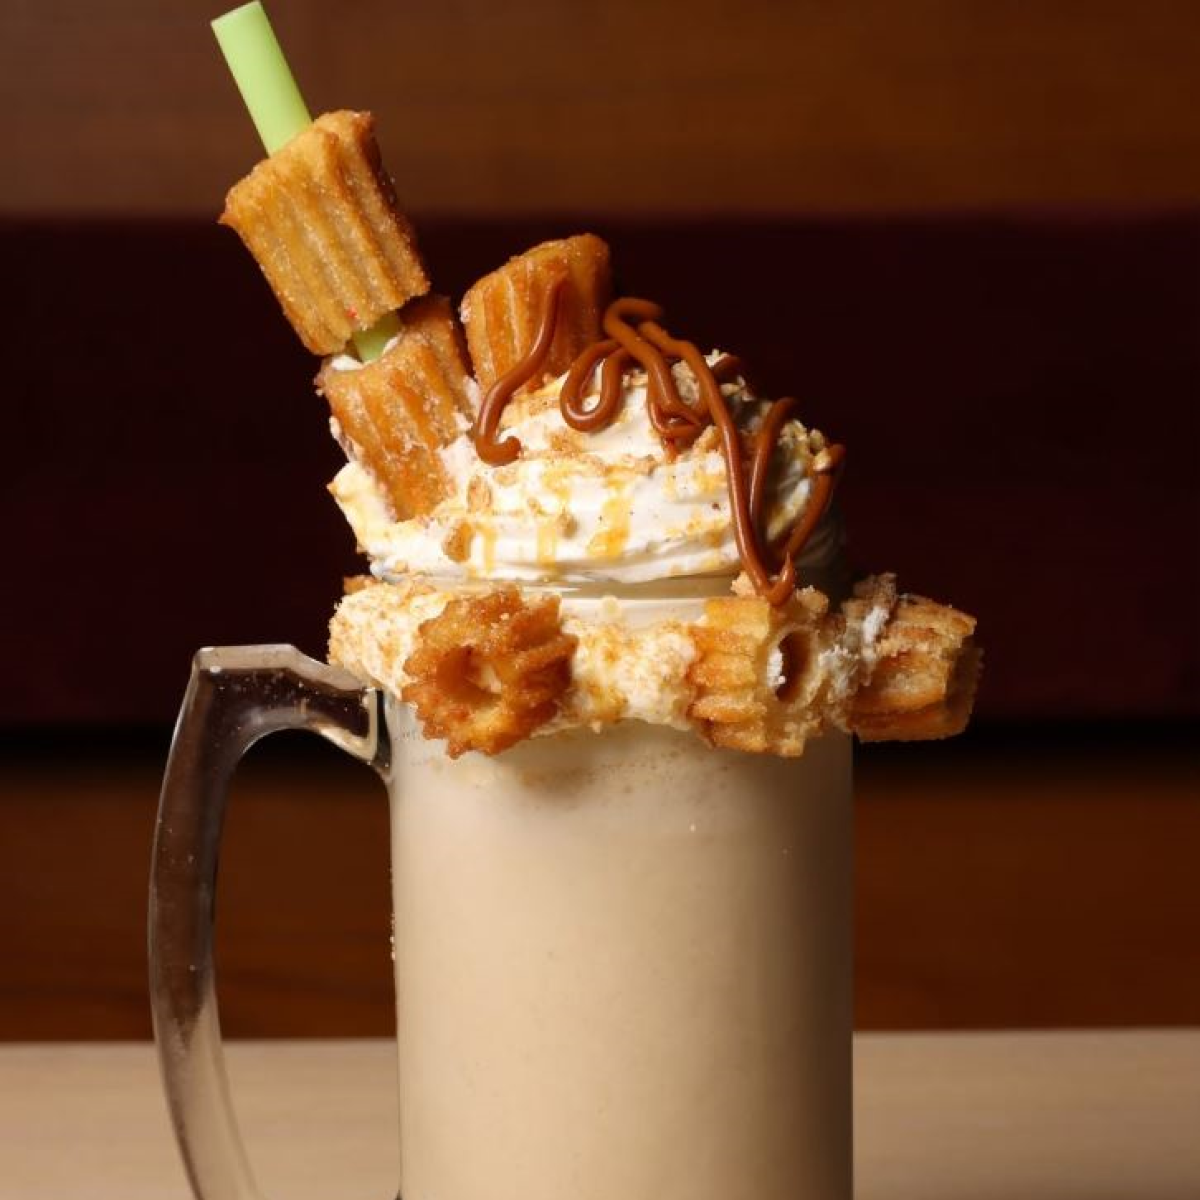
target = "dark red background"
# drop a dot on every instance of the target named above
(1018, 398)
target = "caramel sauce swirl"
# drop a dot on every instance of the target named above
(731, 448)
(604, 411)
(498, 453)
(764, 448)
(635, 335)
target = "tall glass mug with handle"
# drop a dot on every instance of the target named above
(623, 963)
(622, 937)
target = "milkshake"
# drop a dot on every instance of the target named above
(606, 618)
(606, 605)
(622, 969)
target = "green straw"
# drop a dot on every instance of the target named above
(370, 342)
(262, 75)
(278, 111)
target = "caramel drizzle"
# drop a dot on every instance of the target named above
(676, 421)
(604, 411)
(764, 448)
(499, 452)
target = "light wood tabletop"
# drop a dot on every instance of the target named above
(995, 1116)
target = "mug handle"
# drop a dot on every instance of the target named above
(236, 695)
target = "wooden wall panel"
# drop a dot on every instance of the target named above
(999, 883)
(629, 106)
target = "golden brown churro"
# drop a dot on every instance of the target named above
(320, 218)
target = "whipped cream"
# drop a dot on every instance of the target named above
(609, 507)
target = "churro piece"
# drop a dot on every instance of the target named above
(758, 674)
(501, 310)
(746, 675)
(489, 670)
(395, 413)
(319, 215)
(925, 675)
(885, 667)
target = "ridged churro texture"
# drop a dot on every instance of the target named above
(501, 310)
(886, 666)
(489, 670)
(759, 674)
(395, 413)
(319, 215)
(745, 675)
(926, 672)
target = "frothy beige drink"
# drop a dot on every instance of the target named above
(622, 970)
(607, 620)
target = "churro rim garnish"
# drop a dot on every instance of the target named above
(489, 670)
(736, 702)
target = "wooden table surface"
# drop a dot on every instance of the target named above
(995, 1116)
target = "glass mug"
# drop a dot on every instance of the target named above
(623, 961)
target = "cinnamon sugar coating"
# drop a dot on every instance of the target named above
(925, 678)
(320, 218)
(501, 310)
(395, 413)
(486, 669)
(489, 670)
(759, 676)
